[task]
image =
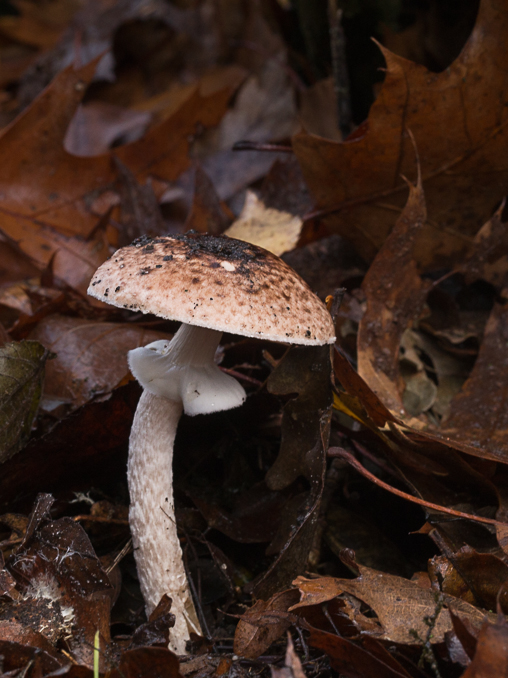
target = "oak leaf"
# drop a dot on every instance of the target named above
(459, 121)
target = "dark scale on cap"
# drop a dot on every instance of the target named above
(141, 241)
(228, 249)
(216, 282)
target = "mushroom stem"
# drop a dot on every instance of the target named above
(177, 375)
(157, 548)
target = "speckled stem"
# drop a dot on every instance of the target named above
(152, 514)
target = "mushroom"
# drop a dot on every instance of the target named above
(211, 284)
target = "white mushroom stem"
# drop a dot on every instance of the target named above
(177, 375)
(152, 513)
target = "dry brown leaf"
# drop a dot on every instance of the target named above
(395, 294)
(491, 657)
(91, 357)
(275, 231)
(40, 24)
(49, 198)
(292, 665)
(96, 125)
(207, 214)
(449, 371)
(478, 416)
(318, 110)
(353, 661)
(400, 605)
(478, 578)
(263, 624)
(458, 118)
(488, 257)
(264, 110)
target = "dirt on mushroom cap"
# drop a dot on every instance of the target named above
(216, 282)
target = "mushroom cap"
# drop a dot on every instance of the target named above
(216, 282)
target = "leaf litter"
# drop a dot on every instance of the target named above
(393, 445)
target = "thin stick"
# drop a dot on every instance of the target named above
(340, 74)
(343, 454)
(119, 556)
(100, 519)
(247, 145)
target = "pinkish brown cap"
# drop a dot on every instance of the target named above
(216, 282)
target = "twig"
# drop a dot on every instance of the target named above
(428, 655)
(242, 377)
(119, 556)
(343, 454)
(101, 519)
(340, 75)
(247, 145)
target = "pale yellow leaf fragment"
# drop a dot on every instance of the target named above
(266, 227)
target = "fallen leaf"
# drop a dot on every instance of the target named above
(325, 265)
(487, 258)
(347, 529)
(478, 414)
(97, 125)
(21, 378)
(263, 624)
(349, 659)
(207, 214)
(476, 577)
(318, 110)
(147, 661)
(292, 665)
(251, 519)
(448, 370)
(491, 657)
(37, 25)
(284, 187)
(365, 402)
(156, 629)
(56, 561)
(54, 461)
(358, 182)
(51, 212)
(400, 605)
(395, 295)
(305, 433)
(264, 110)
(14, 265)
(90, 356)
(275, 231)
(18, 657)
(140, 211)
